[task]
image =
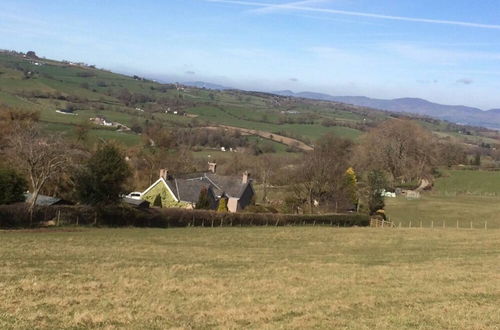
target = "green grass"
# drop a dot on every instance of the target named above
(462, 196)
(94, 135)
(450, 209)
(291, 278)
(468, 182)
(311, 131)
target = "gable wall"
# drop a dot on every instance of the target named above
(167, 200)
(246, 197)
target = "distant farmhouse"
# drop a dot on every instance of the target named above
(184, 191)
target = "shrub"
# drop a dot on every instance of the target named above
(12, 186)
(16, 216)
(222, 205)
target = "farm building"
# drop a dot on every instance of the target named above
(43, 200)
(184, 191)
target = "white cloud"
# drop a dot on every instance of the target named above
(359, 14)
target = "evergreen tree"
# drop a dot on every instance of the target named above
(350, 185)
(157, 201)
(222, 205)
(12, 186)
(203, 202)
(102, 180)
(376, 184)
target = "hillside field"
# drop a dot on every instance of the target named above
(44, 85)
(462, 196)
(274, 277)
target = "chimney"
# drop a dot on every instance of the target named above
(164, 173)
(246, 177)
(212, 167)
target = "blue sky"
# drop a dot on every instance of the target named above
(445, 51)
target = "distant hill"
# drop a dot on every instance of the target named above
(132, 103)
(207, 85)
(454, 113)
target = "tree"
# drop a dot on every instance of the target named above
(222, 205)
(320, 177)
(102, 180)
(376, 184)
(266, 166)
(477, 159)
(402, 148)
(41, 157)
(350, 186)
(82, 131)
(203, 201)
(12, 186)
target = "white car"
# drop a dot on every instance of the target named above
(134, 195)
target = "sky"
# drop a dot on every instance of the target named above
(446, 51)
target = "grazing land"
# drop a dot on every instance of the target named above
(461, 196)
(286, 277)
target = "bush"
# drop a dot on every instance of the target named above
(16, 216)
(12, 186)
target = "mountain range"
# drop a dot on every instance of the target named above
(458, 114)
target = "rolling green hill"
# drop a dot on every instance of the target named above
(49, 86)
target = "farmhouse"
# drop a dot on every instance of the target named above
(184, 191)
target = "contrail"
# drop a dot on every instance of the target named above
(359, 14)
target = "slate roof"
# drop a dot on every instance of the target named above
(188, 190)
(188, 187)
(43, 200)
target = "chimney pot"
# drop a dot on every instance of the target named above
(212, 167)
(164, 173)
(246, 177)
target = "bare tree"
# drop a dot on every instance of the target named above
(401, 148)
(320, 178)
(39, 156)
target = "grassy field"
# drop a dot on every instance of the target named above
(462, 196)
(285, 277)
(450, 209)
(483, 183)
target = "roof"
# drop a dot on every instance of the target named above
(187, 187)
(232, 186)
(188, 190)
(43, 200)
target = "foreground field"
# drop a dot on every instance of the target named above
(287, 277)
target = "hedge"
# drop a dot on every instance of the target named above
(16, 216)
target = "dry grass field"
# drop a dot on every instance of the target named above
(274, 277)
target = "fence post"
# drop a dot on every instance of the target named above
(471, 225)
(58, 217)
(400, 224)
(457, 224)
(486, 225)
(77, 218)
(409, 225)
